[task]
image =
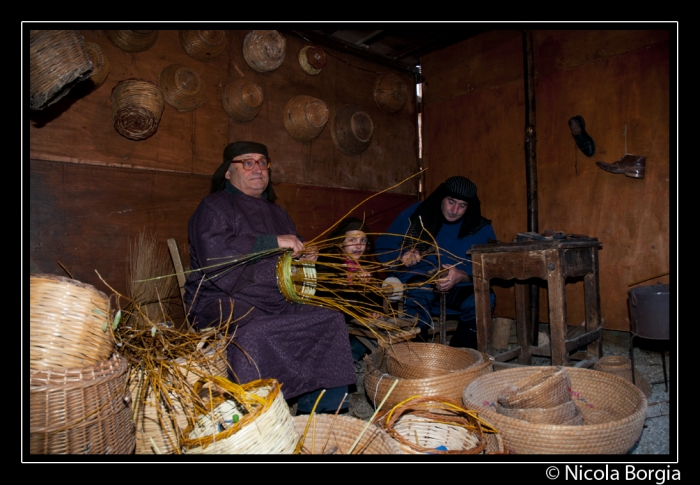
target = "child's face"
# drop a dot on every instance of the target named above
(354, 244)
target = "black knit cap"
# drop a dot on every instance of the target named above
(232, 150)
(351, 224)
(460, 188)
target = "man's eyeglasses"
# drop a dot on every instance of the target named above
(249, 163)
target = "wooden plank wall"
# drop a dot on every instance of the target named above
(93, 190)
(474, 105)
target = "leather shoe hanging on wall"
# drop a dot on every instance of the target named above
(583, 140)
(631, 165)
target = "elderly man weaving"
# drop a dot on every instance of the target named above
(304, 347)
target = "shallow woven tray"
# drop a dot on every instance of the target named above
(305, 117)
(264, 50)
(351, 130)
(390, 92)
(621, 366)
(133, 40)
(58, 61)
(81, 410)
(182, 87)
(415, 360)
(100, 64)
(378, 381)
(613, 410)
(330, 433)
(268, 429)
(137, 106)
(66, 318)
(204, 45)
(548, 387)
(242, 99)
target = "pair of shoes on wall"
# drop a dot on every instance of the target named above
(631, 165)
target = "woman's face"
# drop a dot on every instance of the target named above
(354, 244)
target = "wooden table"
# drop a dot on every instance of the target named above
(553, 261)
(379, 337)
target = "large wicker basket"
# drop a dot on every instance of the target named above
(264, 50)
(81, 410)
(133, 40)
(416, 360)
(378, 381)
(351, 130)
(204, 45)
(137, 106)
(305, 117)
(57, 61)
(242, 99)
(390, 92)
(613, 410)
(66, 321)
(100, 64)
(331, 434)
(265, 427)
(182, 87)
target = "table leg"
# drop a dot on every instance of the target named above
(523, 323)
(482, 302)
(557, 310)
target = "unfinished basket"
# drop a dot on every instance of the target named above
(264, 50)
(66, 321)
(137, 106)
(182, 87)
(242, 99)
(159, 423)
(331, 434)
(548, 387)
(133, 40)
(378, 381)
(312, 59)
(613, 411)
(58, 61)
(415, 360)
(351, 130)
(100, 64)
(390, 92)
(305, 117)
(203, 45)
(81, 410)
(264, 424)
(621, 366)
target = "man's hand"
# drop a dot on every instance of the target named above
(310, 254)
(410, 257)
(290, 241)
(453, 276)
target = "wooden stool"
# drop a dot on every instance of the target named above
(553, 261)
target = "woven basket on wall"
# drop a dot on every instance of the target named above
(137, 107)
(328, 433)
(390, 92)
(57, 61)
(312, 59)
(242, 99)
(613, 410)
(66, 320)
(100, 63)
(81, 410)
(351, 130)
(264, 50)
(182, 87)
(133, 40)
(204, 45)
(415, 360)
(157, 424)
(378, 381)
(305, 117)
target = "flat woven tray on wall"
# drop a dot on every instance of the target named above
(81, 410)
(328, 433)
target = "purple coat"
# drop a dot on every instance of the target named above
(304, 347)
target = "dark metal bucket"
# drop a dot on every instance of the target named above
(649, 311)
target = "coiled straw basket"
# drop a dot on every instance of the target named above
(133, 40)
(264, 50)
(137, 107)
(548, 387)
(613, 411)
(378, 380)
(305, 117)
(58, 61)
(99, 61)
(411, 360)
(203, 45)
(390, 92)
(351, 130)
(331, 434)
(182, 87)
(81, 410)
(265, 424)
(66, 321)
(621, 366)
(242, 99)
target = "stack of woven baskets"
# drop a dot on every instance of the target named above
(77, 393)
